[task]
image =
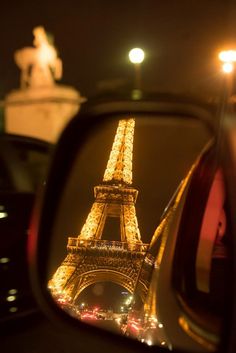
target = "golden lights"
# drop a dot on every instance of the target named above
(228, 58)
(228, 67)
(113, 198)
(136, 55)
(119, 166)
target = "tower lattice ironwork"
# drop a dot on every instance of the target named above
(90, 258)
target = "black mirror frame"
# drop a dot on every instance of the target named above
(79, 129)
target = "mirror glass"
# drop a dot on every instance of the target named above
(117, 234)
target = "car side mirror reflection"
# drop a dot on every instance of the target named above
(117, 257)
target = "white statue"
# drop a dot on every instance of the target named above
(39, 65)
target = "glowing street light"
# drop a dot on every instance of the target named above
(136, 57)
(228, 58)
(228, 67)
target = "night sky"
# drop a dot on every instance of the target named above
(181, 40)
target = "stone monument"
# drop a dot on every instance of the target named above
(40, 108)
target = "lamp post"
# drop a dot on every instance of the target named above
(228, 59)
(136, 57)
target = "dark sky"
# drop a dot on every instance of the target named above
(181, 39)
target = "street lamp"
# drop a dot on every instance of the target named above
(227, 67)
(228, 59)
(227, 56)
(136, 57)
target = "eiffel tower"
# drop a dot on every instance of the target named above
(91, 259)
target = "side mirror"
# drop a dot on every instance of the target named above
(109, 259)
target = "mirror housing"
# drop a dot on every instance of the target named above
(72, 139)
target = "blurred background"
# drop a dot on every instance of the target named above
(181, 40)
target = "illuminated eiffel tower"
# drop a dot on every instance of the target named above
(91, 259)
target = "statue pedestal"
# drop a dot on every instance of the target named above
(41, 112)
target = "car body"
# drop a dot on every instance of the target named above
(188, 262)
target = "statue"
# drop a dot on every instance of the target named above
(39, 65)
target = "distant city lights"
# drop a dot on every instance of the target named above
(3, 214)
(11, 298)
(149, 342)
(12, 291)
(129, 300)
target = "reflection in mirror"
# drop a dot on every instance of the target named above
(112, 250)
